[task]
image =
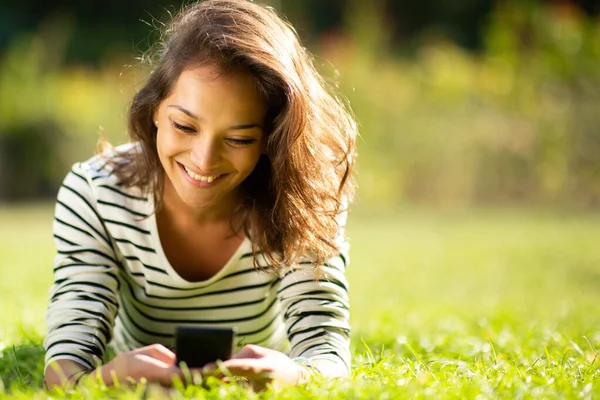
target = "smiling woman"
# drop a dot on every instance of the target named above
(209, 135)
(226, 210)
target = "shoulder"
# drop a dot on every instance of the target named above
(94, 183)
(98, 172)
(93, 189)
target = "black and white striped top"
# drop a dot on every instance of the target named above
(113, 285)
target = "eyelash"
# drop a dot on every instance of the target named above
(236, 142)
(182, 128)
(241, 142)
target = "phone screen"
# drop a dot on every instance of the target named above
(198, 346)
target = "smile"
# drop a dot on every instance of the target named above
(200, 178)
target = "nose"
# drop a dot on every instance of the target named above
(205, 153)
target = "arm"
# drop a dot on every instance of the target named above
(316, 310)
(316, 314)
(316, 317)
(64, 372)
(84, 296)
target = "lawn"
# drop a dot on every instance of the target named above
(445, 304)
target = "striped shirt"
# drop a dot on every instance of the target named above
(113, 285)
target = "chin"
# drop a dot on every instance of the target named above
(196, 204)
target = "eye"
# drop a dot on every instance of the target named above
(183, 128)
(241, 142)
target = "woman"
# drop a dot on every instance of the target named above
(225, 210)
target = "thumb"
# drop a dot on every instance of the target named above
(252, 368)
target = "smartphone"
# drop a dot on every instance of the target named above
(197, 346)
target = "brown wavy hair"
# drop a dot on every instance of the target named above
(294, 196)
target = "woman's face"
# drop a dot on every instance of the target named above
(210, 136)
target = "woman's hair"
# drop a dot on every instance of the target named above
(293, 198)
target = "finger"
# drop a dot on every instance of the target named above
(159, 352)
(155, 370)
(250, 351)
(216, 370)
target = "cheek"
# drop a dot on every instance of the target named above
(159, 142)
(165, 145)
(165, 149)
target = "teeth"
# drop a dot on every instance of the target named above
(201, 178)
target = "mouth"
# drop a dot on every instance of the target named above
(200, 179)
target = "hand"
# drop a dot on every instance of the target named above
(155, 363)
(261, 366)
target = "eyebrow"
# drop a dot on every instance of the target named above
(232, 128)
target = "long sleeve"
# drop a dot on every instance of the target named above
(316, 313)
(84, 296)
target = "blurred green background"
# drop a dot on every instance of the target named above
(463, 103)
(476, 221)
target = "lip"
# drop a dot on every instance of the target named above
(199, 184)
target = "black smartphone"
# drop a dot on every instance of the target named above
(197, 346)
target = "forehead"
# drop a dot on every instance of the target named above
(213, 95)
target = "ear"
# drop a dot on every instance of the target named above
(155, 117)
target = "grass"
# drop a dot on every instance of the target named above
(485, 303)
